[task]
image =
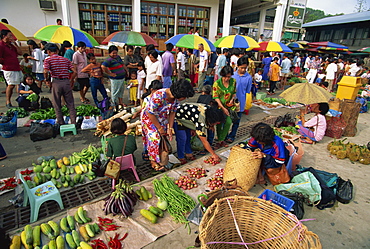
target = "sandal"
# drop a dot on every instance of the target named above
(156, 166)
(183, 161)
(2, 158)
(222, 144)
(229, 140)
(306, 141)
(190, 158)
(202, 152)
(145, 156)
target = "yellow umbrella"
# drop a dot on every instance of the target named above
(18, 34)
(306, 93)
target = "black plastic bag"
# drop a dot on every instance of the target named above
(76, 86)
(344, 191)
(99, 168)
(42, 131)
(298, 198)
(286, 120)
(46, 103)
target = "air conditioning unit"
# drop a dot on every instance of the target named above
(48, 5)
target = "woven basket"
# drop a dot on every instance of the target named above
(228, 189)
(261, 223)
(242, 167)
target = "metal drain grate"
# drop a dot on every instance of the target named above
(76, 196)
(9, 220)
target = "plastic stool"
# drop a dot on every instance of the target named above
(38, 195)
(127, 162)
(66, 128)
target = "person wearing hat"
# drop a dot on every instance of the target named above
(261, 39)
(58, 67)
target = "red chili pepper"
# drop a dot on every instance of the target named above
(8, 183)
(124, 237)
(98, 244)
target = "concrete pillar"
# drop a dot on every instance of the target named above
(261, 24)
(227, 16)
(66, 13)
(136, 10)
(279, 20)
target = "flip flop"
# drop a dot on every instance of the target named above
(190, 158)
(305, 141)
(229, 140)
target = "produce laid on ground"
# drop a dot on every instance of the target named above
(294, 80)
(179, 203)
(273, 102)
(21, 112)
(121, 201)
(288, 132)
(216, 181)
(186, 183)
(212, 161)
(196, 172)
(82, 110)
(354, 152)
(60, 235)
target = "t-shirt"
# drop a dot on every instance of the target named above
(221, 63)
(318, 123)
(243, 86)
(148, 62)
(234, 60)
(9, 57)
(353, 69)
(26, 87)
(27, 66)
(286, 65)
(181, 59)
(115, 65)
(298, 62)
(140, 76)
(69, 54)
(58, 66)
(115, 146)
(275, 69)
(154, 70)
(193, 116)
(167, 59)
(204, 99)
(131, 59)
(80, 60)
(203, 57)
(133, 83)
(258, 77)
(331, 70)
(38, 64)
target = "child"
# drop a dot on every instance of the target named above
(258, 78)
(26, 64)
(141, 75)
(133, 84)
(317, 123)
(27, 87)
(96, 74)
(121, 142)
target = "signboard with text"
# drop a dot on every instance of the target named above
(295, 14)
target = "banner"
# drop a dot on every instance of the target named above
(295, 13)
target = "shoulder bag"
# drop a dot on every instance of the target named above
(113, 168)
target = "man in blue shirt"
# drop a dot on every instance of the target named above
(243, 86)
(286, 64)
(222, 61)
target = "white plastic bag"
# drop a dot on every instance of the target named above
(88, 123)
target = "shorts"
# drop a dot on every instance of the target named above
(40, 76)
(13, 77)
(284, 74)
(84, 82)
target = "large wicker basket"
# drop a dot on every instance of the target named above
(261, 223)
(242, 167)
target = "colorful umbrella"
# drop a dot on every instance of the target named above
(306, 93)
(130, 38)
(295, 45)
(303, 42)
(332, 49)
(191, 41)
(59, 33)
(272, 46)
(16, 33)
(236, 41)
(365, 50)
(326, 44)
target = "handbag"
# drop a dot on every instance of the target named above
(165, 149)
(278, 175)
(298, 198)
(114, 168)
(233, 115)
(344, 191)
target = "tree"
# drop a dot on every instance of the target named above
(314, 14)
(361, 6)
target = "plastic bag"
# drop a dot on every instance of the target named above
(298, 198)
(196, 144)
(88, 123)
(248, 101)
(165, 149)
(46, 103)
(42, 131)
(304, 183)
(76, 86)
(344, 191)
(196, 215)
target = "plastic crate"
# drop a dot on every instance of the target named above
(9, 129)
(277, 199)
(261, 95)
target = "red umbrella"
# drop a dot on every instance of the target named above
(326, 44)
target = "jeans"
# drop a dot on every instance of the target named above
(235, 127)
(210, 136)
(182, 141)
(272, 86)
(96, 85)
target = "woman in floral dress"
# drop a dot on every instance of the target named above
(224, 90)
(158, 117)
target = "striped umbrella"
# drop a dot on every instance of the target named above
(130, 38)
(332, 49)
(272, 46)
(365, 50)
(59, 33)
(191, 41)
(295, 45)
(236, 41)
(16, 33)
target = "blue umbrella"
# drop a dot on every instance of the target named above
(189, 41)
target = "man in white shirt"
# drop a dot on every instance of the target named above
(203, 59)
(331, 70)
(286, 64)
(154, 71)
(180, 64)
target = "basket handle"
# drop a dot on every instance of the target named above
(231, 184)
(313, 240)
(200, 202)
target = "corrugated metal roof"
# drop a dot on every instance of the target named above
(349, 18)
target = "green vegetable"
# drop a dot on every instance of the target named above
(43, 114)
(21, 112)
(33, 97)
(277, 133)
(290, 129)
(87, 110)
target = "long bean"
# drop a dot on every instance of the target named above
(179, 203)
